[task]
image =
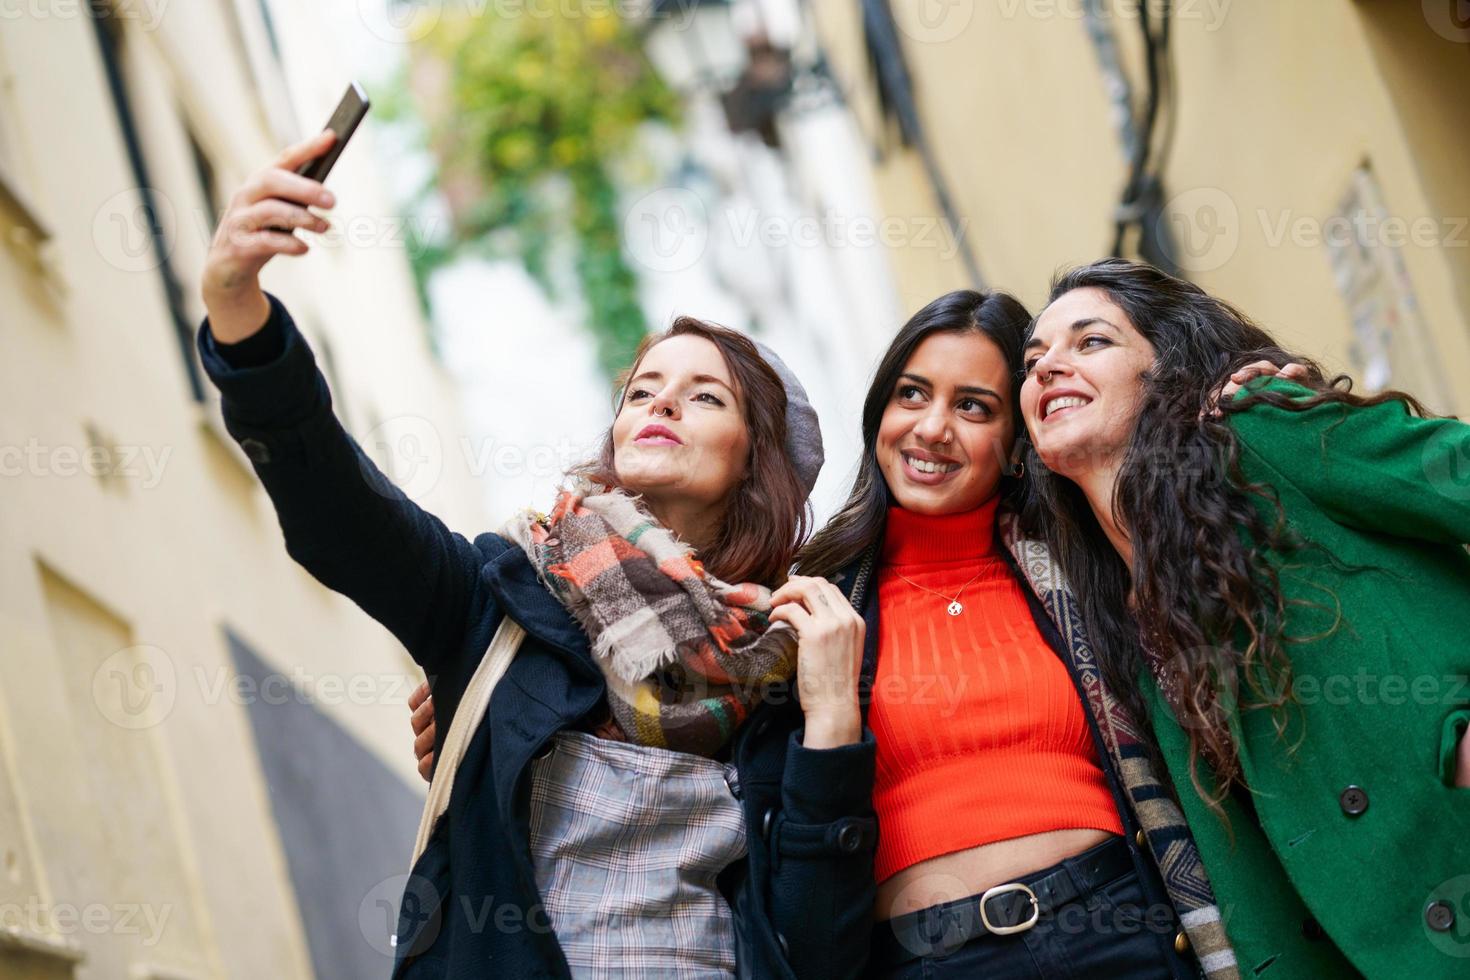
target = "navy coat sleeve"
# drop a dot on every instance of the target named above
(342, 519)
(822, 858)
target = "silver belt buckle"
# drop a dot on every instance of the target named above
(1014, 886)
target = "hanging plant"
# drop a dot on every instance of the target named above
(518, 105)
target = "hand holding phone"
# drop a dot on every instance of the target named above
(349, 112)
(259, 223)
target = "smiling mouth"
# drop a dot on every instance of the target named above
(1064, 403)
(929, 467)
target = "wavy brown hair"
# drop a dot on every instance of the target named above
(766, 516)
(1206, 596)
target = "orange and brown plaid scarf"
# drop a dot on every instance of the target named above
(686, 656)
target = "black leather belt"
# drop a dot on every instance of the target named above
(1005, 909)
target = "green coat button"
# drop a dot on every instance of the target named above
(1353, 800)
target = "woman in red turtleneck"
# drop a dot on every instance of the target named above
(1006, 846)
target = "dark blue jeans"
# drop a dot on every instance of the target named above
(1106, 934)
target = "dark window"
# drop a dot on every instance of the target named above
(111, 42)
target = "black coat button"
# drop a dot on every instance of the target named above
(850, 838)
(1440, 916)
(767, 818)
(255, 450)
(1353, 800)
(1312, 929)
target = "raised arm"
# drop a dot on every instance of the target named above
(343, 520)
(1377, 467)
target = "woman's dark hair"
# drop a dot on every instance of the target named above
(1207, 598)
(859, 525)
(766, 518)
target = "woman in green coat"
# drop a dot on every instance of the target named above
(1280, 584)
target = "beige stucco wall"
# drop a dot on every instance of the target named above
(98, 575)
(1278, 103)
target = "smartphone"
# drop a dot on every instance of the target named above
(345, 117)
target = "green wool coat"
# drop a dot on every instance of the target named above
(1360, 837)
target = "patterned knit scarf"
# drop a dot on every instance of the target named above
(1163, 822)
(685, 655)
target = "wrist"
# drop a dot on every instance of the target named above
(234, 317)
(832, 727)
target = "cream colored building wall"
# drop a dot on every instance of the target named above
(104, 575)
(1278, 103)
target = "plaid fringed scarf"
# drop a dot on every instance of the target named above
(685, 655)
(1168, 834)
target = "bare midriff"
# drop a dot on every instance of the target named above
(970, 872)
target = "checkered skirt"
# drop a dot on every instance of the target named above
(626, 842)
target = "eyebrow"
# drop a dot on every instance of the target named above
(698, 379)
(1077, 326)
(962, 389)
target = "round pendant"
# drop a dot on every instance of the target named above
(955, 608)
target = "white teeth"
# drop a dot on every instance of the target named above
(1069, 401)
(925, 466)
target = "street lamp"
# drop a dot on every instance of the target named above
(693, 44)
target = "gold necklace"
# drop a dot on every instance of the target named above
(954, 608)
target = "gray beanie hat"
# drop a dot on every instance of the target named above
(803, 433)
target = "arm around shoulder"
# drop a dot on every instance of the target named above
(1376, 467)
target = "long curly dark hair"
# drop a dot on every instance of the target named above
(1205, 596)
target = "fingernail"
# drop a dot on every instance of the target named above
(328, 199)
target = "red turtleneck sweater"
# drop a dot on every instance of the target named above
(981, 736)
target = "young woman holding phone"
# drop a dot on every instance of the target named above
(645, 794)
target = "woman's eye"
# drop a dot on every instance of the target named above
(974, 405)
(909, 393)
(1030, 364)
(709, 398)
(1094, 341)
(636, 394)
